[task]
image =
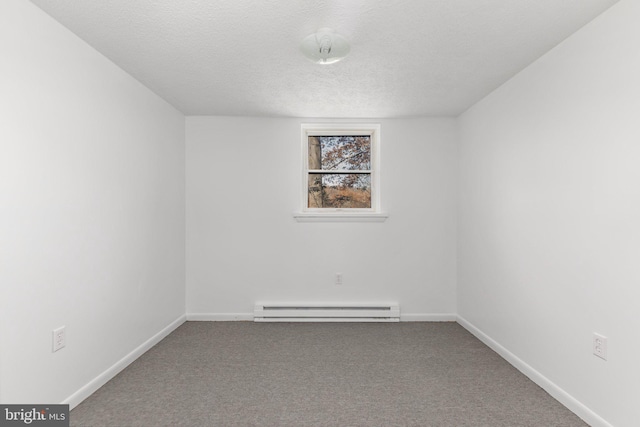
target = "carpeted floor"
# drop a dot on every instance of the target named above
(321, 374)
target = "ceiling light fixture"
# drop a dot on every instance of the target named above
(325, 47)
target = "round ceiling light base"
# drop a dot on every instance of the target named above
(325, 47)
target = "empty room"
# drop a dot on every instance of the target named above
(320, 213)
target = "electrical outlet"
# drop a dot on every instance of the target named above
(338, 278)
(600, 346)
(59, 338)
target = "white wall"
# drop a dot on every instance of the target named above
(244, 246)
(549, 214)
(92, 209)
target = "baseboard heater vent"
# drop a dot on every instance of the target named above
(326, 313)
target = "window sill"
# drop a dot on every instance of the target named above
(340, 217)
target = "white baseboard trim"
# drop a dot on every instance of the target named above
(219, 317)
(575, 406)
(76, 398)
(428, 317)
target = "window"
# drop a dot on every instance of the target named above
(340, 172)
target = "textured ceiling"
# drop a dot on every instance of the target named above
(241, 57)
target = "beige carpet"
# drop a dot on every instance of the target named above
(321, 374)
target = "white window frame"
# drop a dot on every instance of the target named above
(373, 214)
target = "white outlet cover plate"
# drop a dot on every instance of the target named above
(600, 346)
(59, 338)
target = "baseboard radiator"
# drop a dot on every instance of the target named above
(326, 313)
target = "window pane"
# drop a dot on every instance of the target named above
(339, 190)
(340, 153)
